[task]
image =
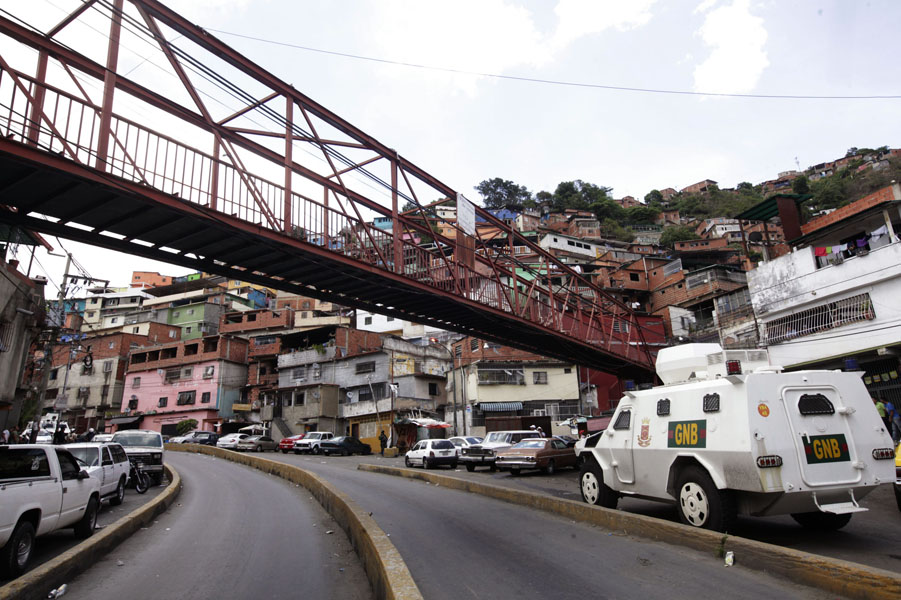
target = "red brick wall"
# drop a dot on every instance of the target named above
(886, 194)
(263, 320)
(354, 341)
(228, 348)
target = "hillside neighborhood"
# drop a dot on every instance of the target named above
(805, 265)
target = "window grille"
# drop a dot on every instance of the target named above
(821, 318)
(663, 407)
(208, 372)
(815, 404)
(539, 377)
(623, 421)
(501, 376)
(186, 398)
(365, 367)
(136, 382)
(172, 375)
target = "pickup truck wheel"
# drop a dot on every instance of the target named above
(120, 493)
(15, 554)
(317, 450)
(821, 521)
(592, 486)
(85, 527)
(701, 504)
(470, 467)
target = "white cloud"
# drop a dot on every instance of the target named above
(578, 18)
(738, 58)
(491, 36)
(705, 6)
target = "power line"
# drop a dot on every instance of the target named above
(616, 88)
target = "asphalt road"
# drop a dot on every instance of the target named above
(871, 538)
(464, 546)
(234, 532)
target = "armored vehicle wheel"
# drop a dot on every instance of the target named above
(822, 521)
(591, 484)
(470, 467)
(701, 504)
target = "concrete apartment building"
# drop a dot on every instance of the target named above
(21, 319)
(87, 377)
(832, 302)
(357, 382)
(197, 379)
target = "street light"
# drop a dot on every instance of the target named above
(435, 342)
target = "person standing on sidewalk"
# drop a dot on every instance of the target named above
(383, 441)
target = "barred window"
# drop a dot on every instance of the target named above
(497, 376)
(539, 377)
(365, 367)
(821, 318)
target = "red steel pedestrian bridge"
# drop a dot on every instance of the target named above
(127, 127)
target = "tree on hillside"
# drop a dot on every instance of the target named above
(677, 233)
(611, 229)
(642, 214)
(500, 193)
(578, 194)
(608, 209)
(744, 186)
(653, 197)
(801, 185)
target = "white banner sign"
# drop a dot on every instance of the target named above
(466, 215)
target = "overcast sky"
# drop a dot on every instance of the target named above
(464, 128)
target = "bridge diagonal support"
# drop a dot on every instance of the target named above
(109, 85)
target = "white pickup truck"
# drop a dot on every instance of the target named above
(42, 489)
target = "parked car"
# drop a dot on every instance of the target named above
(484, 454)
(42, 489)
(567, 439)
(287, 444)
(107, 462)
(144, 446)
(346, 445)
(257, 443)
(461, 442)
(547, 454)
(205, 438)
(311, 441)
(230, 441)
(431, 453)
(175, 440)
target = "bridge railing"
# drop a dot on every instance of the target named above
(71, 126)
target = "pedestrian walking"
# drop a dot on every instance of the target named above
(4, 437)
(883, 414)
(894, 419)
(383, 441)
(59, 436)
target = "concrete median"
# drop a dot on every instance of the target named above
(40, 581)
(387, 572)
(836, 576)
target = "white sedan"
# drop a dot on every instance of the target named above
(431, 453)
(231, 441)
(461, 442)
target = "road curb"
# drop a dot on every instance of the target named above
(387, 572)
(829, 574)
(40, 581)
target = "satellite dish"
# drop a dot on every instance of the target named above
(755, 236)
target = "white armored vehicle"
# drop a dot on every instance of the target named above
(727, 434)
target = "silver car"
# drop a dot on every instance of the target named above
(257, 443)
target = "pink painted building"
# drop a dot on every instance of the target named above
(197, 379)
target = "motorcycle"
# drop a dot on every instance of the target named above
(137, 476)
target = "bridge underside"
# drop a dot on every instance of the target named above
(89, 206)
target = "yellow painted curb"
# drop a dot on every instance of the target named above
(387, 572)
(40, 581)
(830, 574)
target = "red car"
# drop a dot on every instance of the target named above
(287, 444)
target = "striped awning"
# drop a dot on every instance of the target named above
(500, 406)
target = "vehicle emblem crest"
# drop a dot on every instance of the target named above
(644, 436)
